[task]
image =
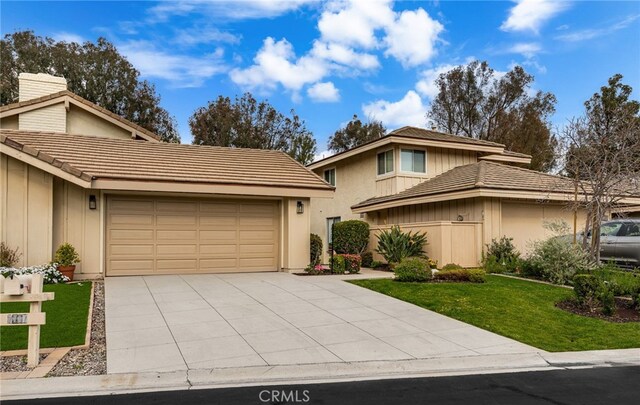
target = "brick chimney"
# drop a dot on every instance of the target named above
(52, 118)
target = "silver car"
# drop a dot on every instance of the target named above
(620, 242)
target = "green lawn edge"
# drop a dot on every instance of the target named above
(66, 318)
(515, 308)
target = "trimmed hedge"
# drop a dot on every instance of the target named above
(316, 249)
(461, 275)
(338, 264)
(367, 259)
(350, 237)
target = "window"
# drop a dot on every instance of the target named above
(385, 162)
(330, 222)
(330, 176)
(413, 161)
(610, 229)
(630, 230)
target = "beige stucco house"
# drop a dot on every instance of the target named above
(463, 192)
(71, 171)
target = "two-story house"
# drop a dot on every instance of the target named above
(463, 192)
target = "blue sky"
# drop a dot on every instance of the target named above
(329, 60)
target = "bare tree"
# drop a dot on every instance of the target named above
(603, 155)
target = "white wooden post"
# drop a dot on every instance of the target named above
(33, 350)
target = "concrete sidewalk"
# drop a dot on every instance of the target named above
(191, 322)
(311, 373)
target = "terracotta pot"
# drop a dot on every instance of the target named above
(67, 271)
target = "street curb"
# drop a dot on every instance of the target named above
(311, 373)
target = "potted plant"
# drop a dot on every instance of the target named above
(66, 257)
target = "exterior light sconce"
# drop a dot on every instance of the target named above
(300, 207)
(93, 204)
(460, 218)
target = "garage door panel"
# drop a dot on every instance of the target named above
(176, 206)
(131, 234)
(175, 235)
(131, 250)
(223, 235)
(219, 221)
(218, 264)
(176, 220)
(128, 205)
(217, 250)
(131, 219)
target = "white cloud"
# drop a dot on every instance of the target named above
(527, 49)
(408, 111)
(344, 55)
(64, 36)
(587, 34)
(180, 70)
(324, 92)
(231, 9)
(275, 63)
(204, 35)
(529, 15)
(322, 155)
(427, 83)
(412, 37)
(354, 22)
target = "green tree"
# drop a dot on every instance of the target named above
(94, 71)
(603, 154)
(355, 133)
(247, 123)
(474, 101)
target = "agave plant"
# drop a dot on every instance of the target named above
(394, 245)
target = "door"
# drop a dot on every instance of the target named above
(628, 244)
(608, 238)
(147, 235)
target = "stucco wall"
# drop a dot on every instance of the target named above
(75, 223)
(83, 122)
(295, 234)
(26, 200)
(524, 222)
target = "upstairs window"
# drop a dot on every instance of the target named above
(413, 161)
(385, 162)
(330, 176)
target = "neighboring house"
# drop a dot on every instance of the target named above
(463, 192)
(71, 171)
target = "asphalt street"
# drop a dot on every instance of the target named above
(609, 385)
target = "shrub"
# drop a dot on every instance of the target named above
(375, 264)
(607, 299)
(621, 282)
(316, 249)
(395, 245)
(530, 269)
(412, 269)
(558, 260)
(461, 275)
(433, 264)
(501, 256)
(367, 259)
(66, 255)
(585, 288)
(451, 266)
(50, 273)
(352, 263)
(8, 257)
(350, 237)
(338, 265)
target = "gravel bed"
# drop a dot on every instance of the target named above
(91, 361)
(16, 363)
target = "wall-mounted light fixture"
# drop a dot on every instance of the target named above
(93, 204)
(300, 207)
(460, 218)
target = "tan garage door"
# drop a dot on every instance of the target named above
(178, 235)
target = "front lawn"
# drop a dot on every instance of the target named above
(66, 318)
(518, 309)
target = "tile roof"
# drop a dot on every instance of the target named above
(90, 157)
(478, 175)
(79, 99)
(415, 132)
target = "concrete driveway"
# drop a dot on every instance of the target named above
(169, 323)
